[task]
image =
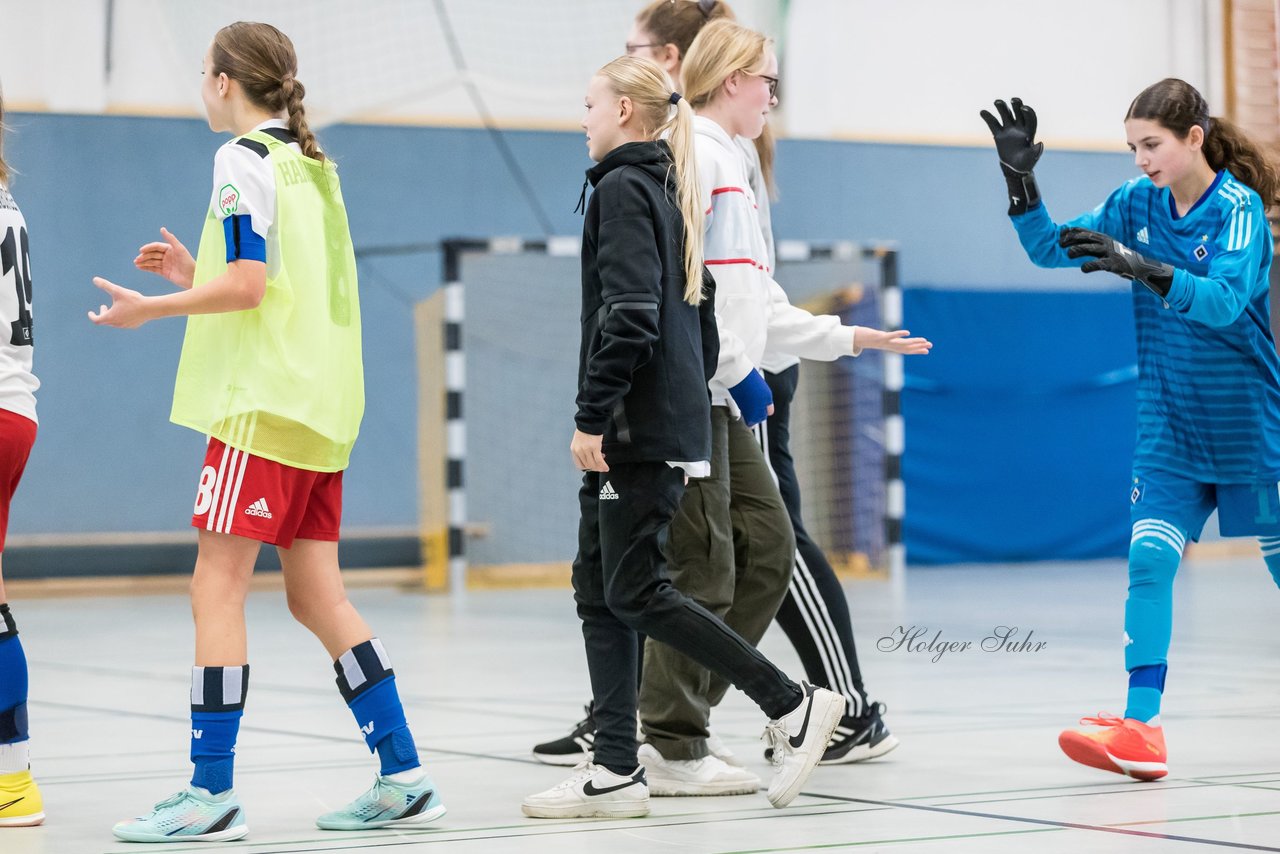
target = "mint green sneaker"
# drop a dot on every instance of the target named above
(387, 804)
(192, 815)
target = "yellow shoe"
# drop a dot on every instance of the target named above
(20, 801)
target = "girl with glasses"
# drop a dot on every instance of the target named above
(814, 613)
(731, 545)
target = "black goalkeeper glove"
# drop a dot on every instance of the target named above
(1114, 257)
(1015, 135)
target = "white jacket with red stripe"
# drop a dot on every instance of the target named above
(752, 310)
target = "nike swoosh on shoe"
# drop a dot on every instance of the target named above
(589, 788)
(798, 739)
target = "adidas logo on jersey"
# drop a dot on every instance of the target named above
(1143, 235)
(258, 508)
(607, 492)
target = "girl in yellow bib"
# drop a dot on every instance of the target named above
(271, 372)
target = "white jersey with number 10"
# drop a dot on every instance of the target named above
(17, 383)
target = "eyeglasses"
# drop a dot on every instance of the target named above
(772, 81)
(632, 48)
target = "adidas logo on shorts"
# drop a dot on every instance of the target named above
(258, 508)
(607, 492)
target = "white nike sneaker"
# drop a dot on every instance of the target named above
(705, 776)
(798, 740)
(592, 792)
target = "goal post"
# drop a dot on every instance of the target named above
(497, 372)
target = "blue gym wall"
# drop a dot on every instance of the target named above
(95, 188)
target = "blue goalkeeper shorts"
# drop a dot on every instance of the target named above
(1244, 509)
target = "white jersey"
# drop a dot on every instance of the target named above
(244, 183)
(17, 383)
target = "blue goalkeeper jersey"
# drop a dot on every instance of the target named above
(1208, 374)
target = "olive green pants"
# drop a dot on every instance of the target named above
(731, 549)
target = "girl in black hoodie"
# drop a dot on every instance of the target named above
(643, 427)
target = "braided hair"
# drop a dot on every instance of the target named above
(262, 60)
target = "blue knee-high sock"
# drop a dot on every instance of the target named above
(1271, 555)
(217, 704)
(368, 684)
(13, 695)
(1154, 555)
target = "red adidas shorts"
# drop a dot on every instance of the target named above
(264, 500)
(17, 435)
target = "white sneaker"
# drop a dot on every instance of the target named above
(592, 792)
(721, 751)
(798, 740)
(705, 776)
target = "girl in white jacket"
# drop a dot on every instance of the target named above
(732, 546)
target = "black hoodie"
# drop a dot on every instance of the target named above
(646, 354)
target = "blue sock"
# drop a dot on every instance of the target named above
(1146, 687)
(1154, 554)
(13, 685)
(1271, 555)
(368, 684)
(217, 704)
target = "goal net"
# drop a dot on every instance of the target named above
(442, 62)
(498, 373)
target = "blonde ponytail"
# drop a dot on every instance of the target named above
(652, 94)
(688, 197)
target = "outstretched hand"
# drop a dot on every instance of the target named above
(898, 341)
(127, 310)
(1015, 135)
(167, 258)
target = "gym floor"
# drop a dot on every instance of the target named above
(486, 675)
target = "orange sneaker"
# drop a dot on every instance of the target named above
(1125, 746)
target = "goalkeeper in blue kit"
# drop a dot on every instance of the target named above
(1192, 235)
